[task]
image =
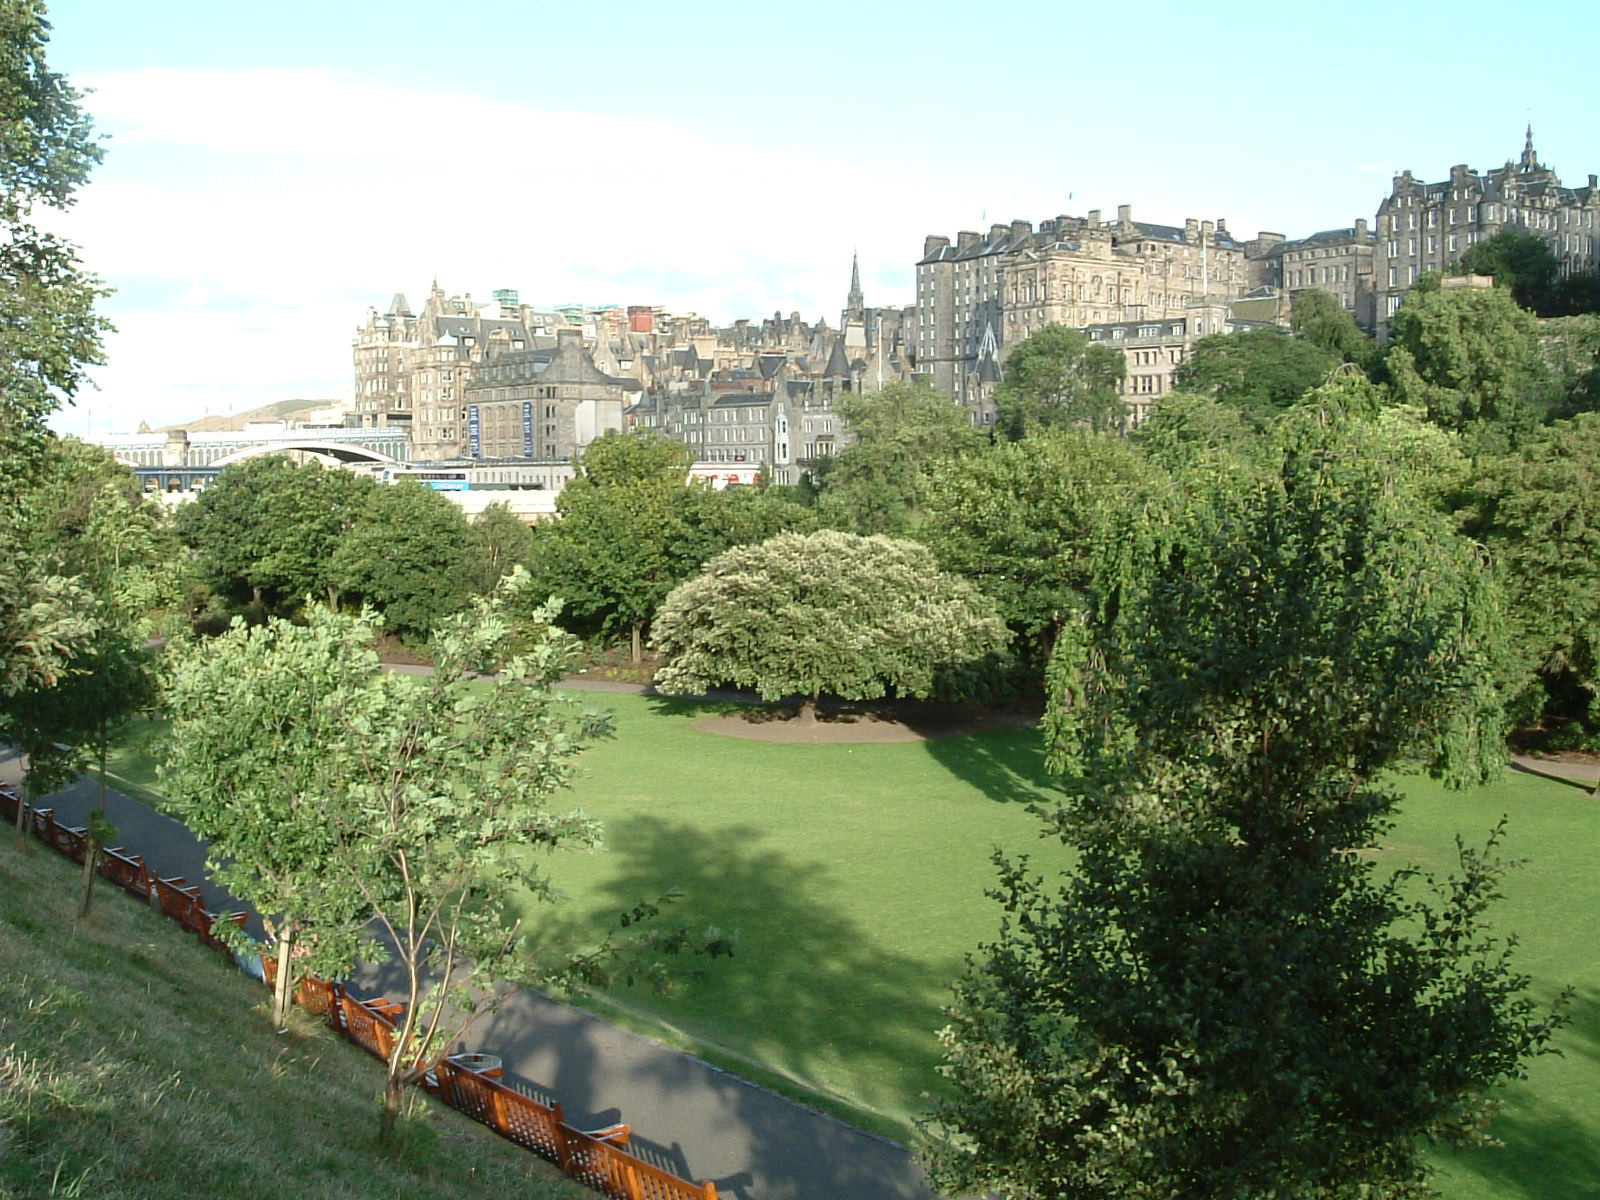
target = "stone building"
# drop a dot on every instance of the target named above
(412, 368)
(763, 394)
(544, 404)
(983, 294)
(1425, 227)
(1336, 261)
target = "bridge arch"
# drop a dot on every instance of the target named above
(344, 452)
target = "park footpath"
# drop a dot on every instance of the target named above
(688, 1117)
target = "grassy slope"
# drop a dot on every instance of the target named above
(136, 1064)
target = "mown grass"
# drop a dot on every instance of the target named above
(854, 876)
(134, 1063)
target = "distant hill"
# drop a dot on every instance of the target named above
(279, 410)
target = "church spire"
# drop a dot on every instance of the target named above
(1530, 161)
(855, 306)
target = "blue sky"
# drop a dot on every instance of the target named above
(274, 169)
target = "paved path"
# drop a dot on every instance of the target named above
(687, 1116)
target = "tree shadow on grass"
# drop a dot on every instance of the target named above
(1547, 1151)
(806, 993)
(1005, 763)
(717, 705)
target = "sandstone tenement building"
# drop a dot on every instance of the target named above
(1425, 227)
(984, 293)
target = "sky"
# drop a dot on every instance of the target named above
(272, 171)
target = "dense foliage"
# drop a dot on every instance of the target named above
(878, 483)
(825, 613)
(1032, 522)
(1058, 379)
(1224, 999)
(633, 526)
(1260, 371)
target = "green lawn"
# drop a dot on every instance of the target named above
(854, 877)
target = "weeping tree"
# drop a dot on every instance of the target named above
(1227, 997)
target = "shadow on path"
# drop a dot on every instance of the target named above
(807, 990)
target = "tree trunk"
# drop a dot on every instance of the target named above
(393, 1091)
(281, 990)
(808, 709)
(638, 642)
(22, 812)
(91, 845)
(91, 860)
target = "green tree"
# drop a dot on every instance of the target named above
(496, 542)
(1538, 510)
(877, 484)
(427, 804)
(49, 333)
(1521, 262)
(627, 537)
(1576, 294)
(1469, 357)
(1182, 427)
(1057, 378)
(403, 554)
(1570, 353)
(827, 612)
(1028, 522)
(250, 764)
(1261, 371)
(43, 720)
(266, 529)
(1224, 998)
(614, 459)
(43, 618)
(615, 553)
(112, 680)
(1323, 321)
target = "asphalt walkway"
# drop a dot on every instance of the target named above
(687, 1116)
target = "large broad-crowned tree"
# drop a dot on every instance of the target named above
(1522, 263)
(877, 483)
(1030, 522)
(633, 526)
(1470, 358)
(826, 613)
(404, 555)
(266, 530)
(1538, 511)
(1227, 997)
(1058, 379)
(1260, 371)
